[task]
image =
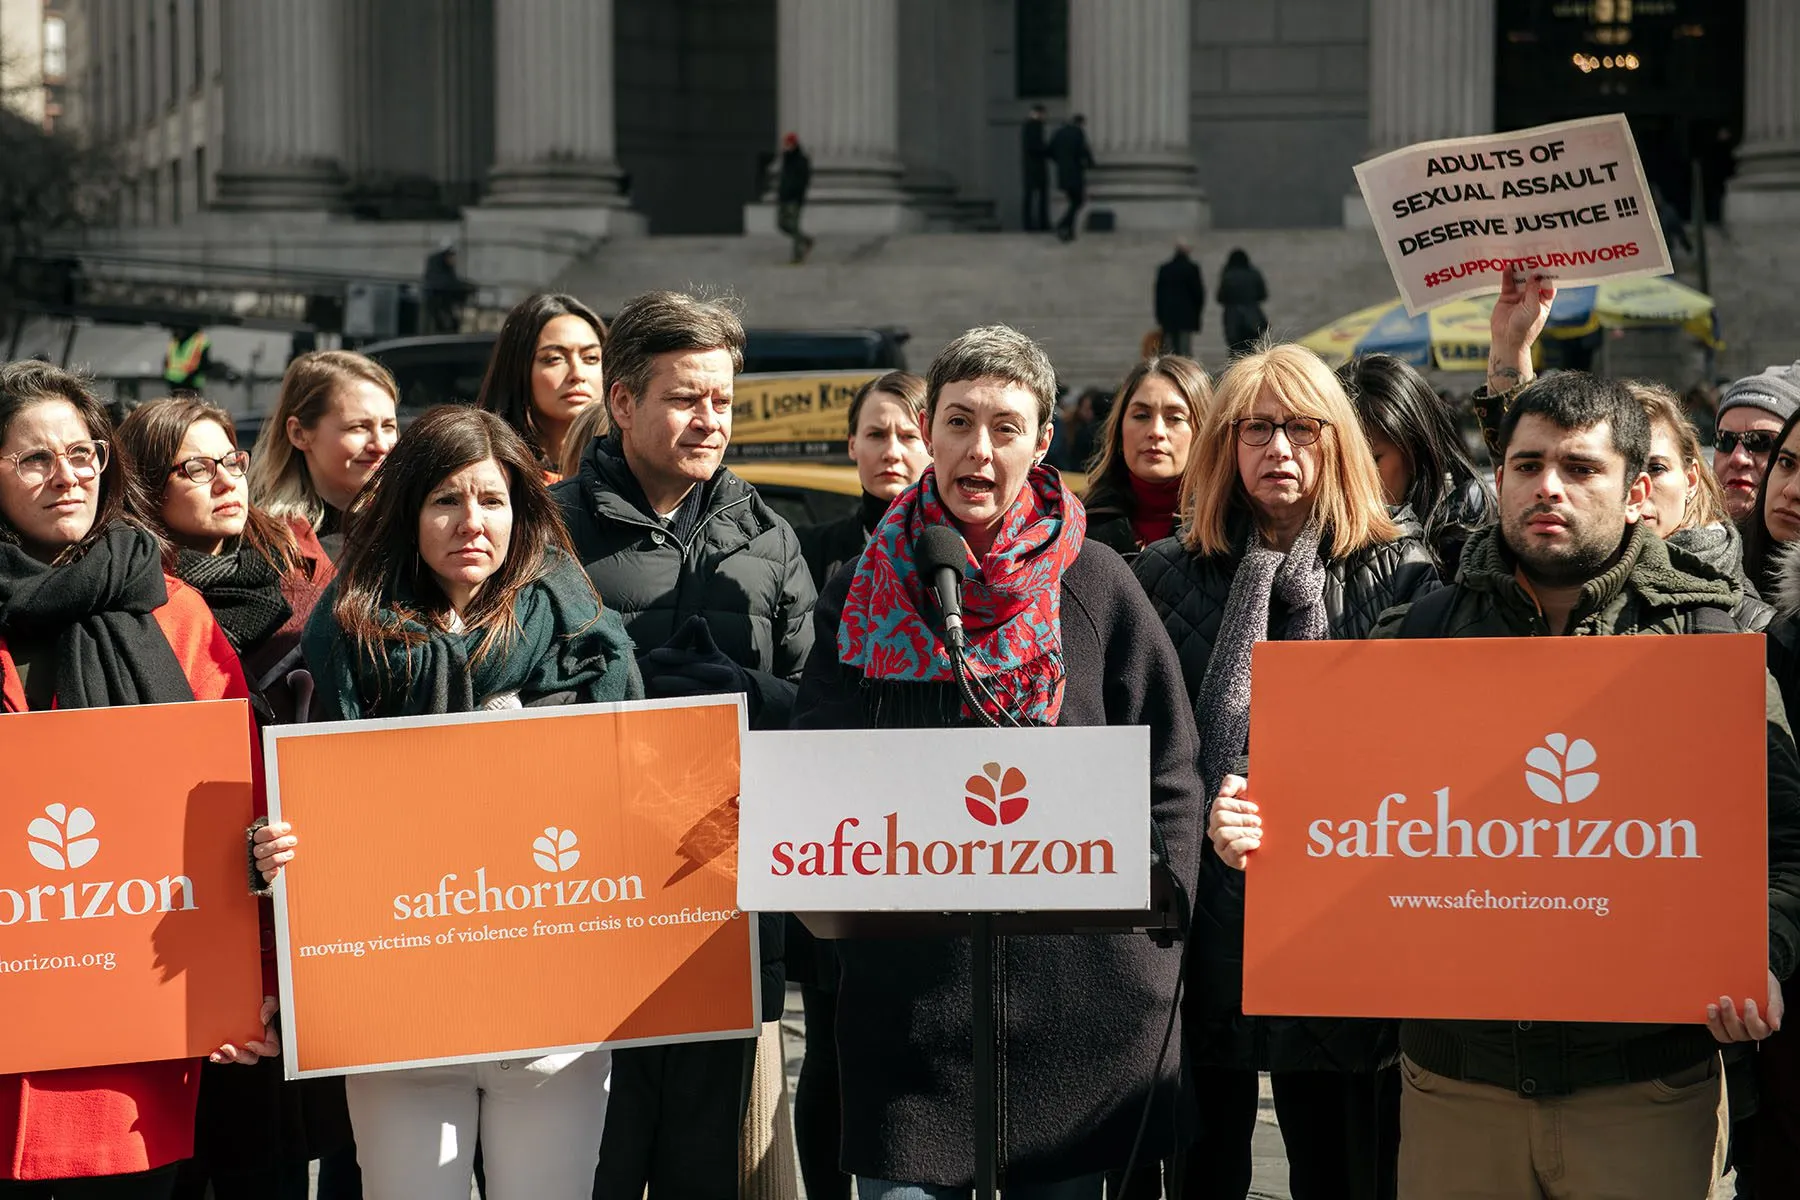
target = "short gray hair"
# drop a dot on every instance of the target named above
(660, 322)
(993, 352)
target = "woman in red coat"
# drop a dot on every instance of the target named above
(254, 1134)
(89, 620)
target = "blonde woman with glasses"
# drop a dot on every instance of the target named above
(1286, 536)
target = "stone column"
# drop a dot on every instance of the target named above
(1129, 66)
(927, 181)
(284, 126)
(839, 91)
(1766, 187)
(554, 145)
(1431, 75)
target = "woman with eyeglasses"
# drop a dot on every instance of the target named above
(88, 619)
(1286, 536)
(1774, 517)
(254, 1134)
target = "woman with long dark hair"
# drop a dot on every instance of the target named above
(260, 576)
(1134, 482)
(1059, 634)
(546, 368)
(457, 592)
(1774, 520)
(1286, 536)
(88, 619)
(1419, 453)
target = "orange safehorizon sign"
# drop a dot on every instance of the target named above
(503, 885)
(1569, 829)
(127, 928)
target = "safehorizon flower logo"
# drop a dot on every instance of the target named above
(555, 851)
(59, 840)
(996, 797)
(1559, 773)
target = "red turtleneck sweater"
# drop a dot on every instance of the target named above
(1153, 508)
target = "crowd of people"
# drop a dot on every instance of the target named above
(575, 536)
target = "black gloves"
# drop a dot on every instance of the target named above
(691, 664)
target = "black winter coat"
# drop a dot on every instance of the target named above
(1650, 590)
(794, 178)
(1189, 594)
(740, 568)
(1069, 150)
(1241, 295)
(1084, 1015)
(1033, 151)
(1180, 294)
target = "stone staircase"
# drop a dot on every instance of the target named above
(1089, 302)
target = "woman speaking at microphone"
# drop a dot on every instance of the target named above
(456, 592)
(1058, 633)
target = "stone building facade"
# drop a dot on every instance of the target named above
(630, 116)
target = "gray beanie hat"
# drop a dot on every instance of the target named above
(1776, 390)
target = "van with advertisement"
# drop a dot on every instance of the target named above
(788, 423)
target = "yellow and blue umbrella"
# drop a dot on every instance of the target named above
(1454, 337)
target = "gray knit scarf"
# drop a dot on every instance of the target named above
(1297, 578)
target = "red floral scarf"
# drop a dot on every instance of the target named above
(1011, 601)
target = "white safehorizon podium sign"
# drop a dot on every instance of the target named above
(945, 820)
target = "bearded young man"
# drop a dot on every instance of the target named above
(1527, 1109)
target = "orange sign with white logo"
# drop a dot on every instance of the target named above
(502, 885)
(127, 928)
(1508, 829)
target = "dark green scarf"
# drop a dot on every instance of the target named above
(566, 646)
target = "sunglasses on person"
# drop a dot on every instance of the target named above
(1259, 431)
(86, 460)
(201, 469)
(1756, 441)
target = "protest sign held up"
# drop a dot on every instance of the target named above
(1532, 860)
(1566, 201)
(127, 928)
(591, 893)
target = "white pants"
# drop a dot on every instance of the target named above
(539, 1119)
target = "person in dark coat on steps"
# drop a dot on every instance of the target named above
(790, 194)
(1286, 536)
(1241, 295)
(1034, 159)
(1070, 152)
(1060, 635)
(715, 595)
(1180, 297)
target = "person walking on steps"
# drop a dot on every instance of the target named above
(790, 194)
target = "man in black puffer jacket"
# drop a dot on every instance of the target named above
(714, 592)
(1509, 1108)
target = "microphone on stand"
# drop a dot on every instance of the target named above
(942, 555)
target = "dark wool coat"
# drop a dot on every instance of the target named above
(1084, 1016)
(1189, 593)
